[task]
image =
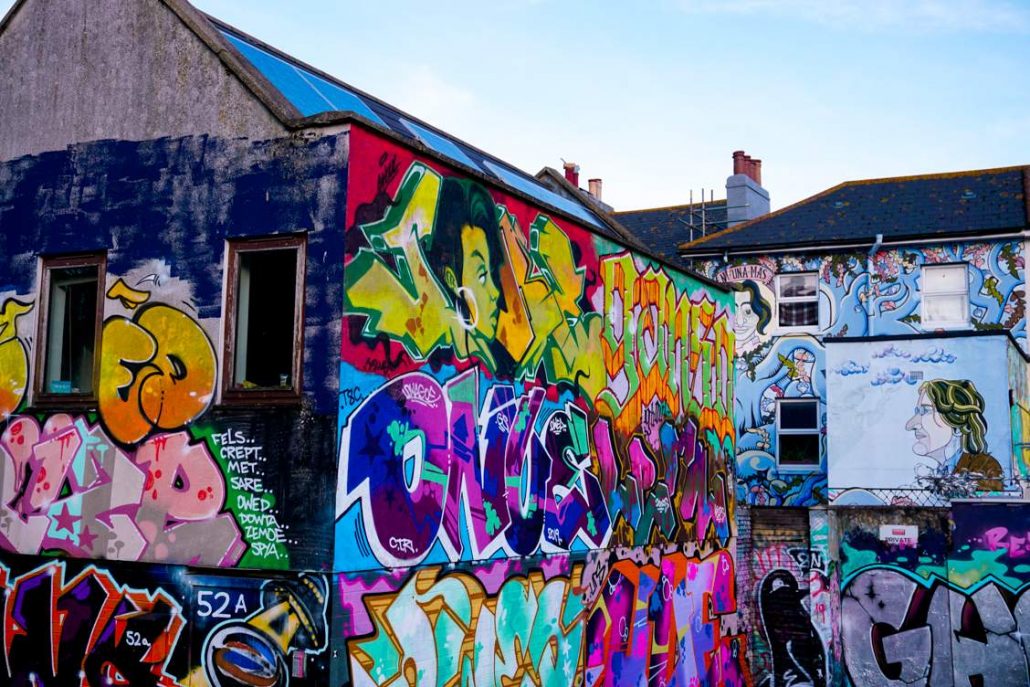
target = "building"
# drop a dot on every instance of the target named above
(298, 389)
(881, 396)
(663, 230)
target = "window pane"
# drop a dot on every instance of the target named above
(948, 309)
(798, 285)
(799, 314)
(265, 309)
(799, 414)
(799, 449)
(71, 330)
(945, 278)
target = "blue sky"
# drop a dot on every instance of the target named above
(653, 97)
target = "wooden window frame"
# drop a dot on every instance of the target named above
(237, 395)
(780, 432)
(41, 397)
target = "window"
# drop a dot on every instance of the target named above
(797, 432)
(69, 327)
(945, 296)
(797, 301)
(264, 319)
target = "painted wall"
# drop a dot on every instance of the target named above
(950, 610)
(947, 402)
(77, 622)
(185, 481)
(857, 297)
(519, 398)
(786, 648)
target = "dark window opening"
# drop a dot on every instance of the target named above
(71, 329)
(265, 315)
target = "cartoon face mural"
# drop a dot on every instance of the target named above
(853, 301)
(953, 427)
(515, 386)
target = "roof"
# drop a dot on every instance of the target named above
(311, 94)
(663, 230)
(971, 203)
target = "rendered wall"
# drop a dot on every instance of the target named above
(535, 429)
(904, 415)
(853, 301)
(73, 71)
(188, 481)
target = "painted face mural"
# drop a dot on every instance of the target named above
(854, 302)
(517, 387)
(932, 433)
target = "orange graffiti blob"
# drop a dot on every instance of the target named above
(157, 370)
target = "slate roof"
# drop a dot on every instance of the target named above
(311, 94)
(901, 208)
(663, 230)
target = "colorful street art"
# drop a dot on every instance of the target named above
(140, 479)
(519, 394)
(89, 628)
(952, 414)
(520, 399)
(14, 357)
(920, 615)
(858, 296)
(553, 621)
(785, 647)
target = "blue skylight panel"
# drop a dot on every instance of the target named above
(444, 146)
(308, 92)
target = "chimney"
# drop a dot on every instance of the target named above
(572, 173)
(595, 188)
(745, 197)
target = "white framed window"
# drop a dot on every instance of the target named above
(945, 296)
(797, 301)
(69, 328)
(797, 432)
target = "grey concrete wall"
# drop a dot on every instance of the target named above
(83, 70)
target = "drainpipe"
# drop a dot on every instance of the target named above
(869, 284)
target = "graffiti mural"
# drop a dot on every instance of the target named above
(614, 621)
(953, 414)
(857, 296)
(521, 393)
(514, 388)
(14, 357)
(77, 623)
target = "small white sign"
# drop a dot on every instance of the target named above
(899, 535)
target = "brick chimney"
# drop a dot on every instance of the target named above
(572, 173)
(745, 197)
(595, 188)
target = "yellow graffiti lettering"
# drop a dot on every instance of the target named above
(14, 357)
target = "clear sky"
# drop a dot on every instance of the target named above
(653, 97)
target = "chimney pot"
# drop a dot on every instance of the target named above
(738, 161)
(757, 176)
(572, 173)
(595, 188)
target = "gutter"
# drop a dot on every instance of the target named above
(833, 247)
(869, 283)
